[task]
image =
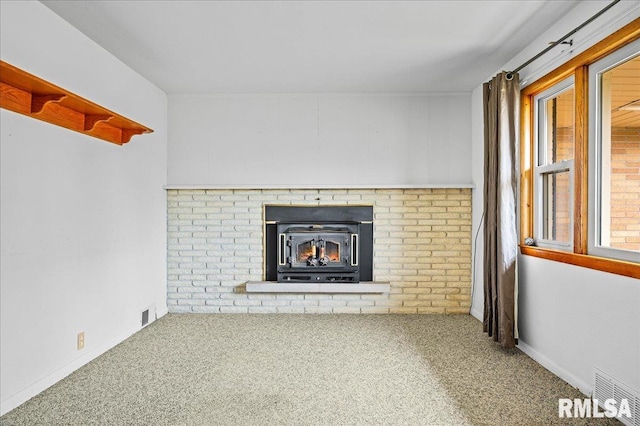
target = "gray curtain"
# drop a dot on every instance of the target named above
(501, 115)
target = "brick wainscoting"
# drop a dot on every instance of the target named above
(422, 246)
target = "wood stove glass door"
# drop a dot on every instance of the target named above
(318, 250)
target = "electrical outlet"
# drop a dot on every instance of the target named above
(81, 340)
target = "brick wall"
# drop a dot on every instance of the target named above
(422, 246)
(562, 218)
(625, 188)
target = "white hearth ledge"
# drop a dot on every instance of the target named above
(304, 186)
(361, 287)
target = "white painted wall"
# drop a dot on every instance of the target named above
(477, 203)
(83, 221)
(571, 319)
(319, 140)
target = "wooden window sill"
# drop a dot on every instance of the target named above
(619, 267)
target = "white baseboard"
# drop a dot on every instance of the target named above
(53, 378)
(582, 386)
(477, 314)
(160, 312)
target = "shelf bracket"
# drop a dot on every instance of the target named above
(39, 101)
(90, 120)
(127, 134)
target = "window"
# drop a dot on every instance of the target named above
(553, 185)
(614, 153)
(580, 158)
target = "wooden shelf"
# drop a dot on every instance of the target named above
(32, 96)
(335, 288)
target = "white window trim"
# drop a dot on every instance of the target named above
(596, 157)
(539, 172)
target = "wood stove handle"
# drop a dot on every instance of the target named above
(282, 239)
(354, 250)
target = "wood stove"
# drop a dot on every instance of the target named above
(319, 244)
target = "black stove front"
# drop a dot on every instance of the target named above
(318, 253)
(319, 244)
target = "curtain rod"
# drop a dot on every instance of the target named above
(575, 30)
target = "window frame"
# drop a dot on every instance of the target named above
(543, 168)
(598, 68)
(578, 67)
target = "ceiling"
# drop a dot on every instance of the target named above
(625, 91)
(313, 46)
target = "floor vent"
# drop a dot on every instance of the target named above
(606, 387)
(145, 317)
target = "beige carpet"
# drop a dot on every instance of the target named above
(305, 370)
